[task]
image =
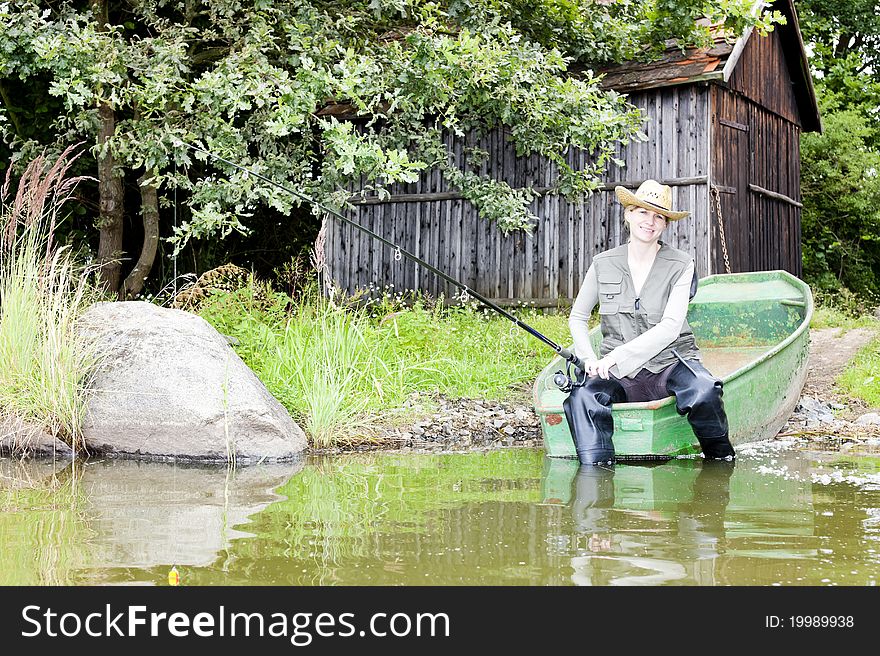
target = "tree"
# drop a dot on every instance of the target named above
(840, 181)
(253, 81)
(839, 173)
(840, 28)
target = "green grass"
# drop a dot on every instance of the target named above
(842, 310)
(862, 377)
(43, 362)
(343, 371)
(829, 316)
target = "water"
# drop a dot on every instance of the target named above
(784, 517)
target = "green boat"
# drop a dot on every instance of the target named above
(753, 332)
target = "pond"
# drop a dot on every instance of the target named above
(509, 517)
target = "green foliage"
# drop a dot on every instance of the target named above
(596, 32)
(839, 174)
(842, 309)
(249, 82)
(341, 371)
(840, 28)
(840, 180)
(862, 376)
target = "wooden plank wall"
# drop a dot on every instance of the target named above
(762, 74)
(549, 264)
(754, 146)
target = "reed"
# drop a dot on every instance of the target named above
(44, 364)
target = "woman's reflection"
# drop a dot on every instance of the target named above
(648, 524)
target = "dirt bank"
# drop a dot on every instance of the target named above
(830, 351)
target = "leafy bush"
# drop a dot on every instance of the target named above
(841, 216)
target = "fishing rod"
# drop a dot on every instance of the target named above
(564, 353)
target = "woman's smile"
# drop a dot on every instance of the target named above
(645, 224)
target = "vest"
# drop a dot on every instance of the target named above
(624, 316)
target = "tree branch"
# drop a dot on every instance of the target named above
(4, 95)
(208, 55)
(134, 282)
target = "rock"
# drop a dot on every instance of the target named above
(169, 385)
(869, 419)
(814, 412)
(22, 438)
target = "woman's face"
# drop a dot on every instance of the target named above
(644, 225)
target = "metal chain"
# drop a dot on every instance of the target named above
(717, 195)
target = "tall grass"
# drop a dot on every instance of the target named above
(43, 363)
(345, 371)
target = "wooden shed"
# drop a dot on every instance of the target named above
(723, 124)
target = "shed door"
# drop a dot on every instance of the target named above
(730, 173)
(756, 165)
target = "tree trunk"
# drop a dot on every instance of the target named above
(110, 189)
(134, 283)
(842, 47)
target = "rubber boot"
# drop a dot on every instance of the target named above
(593, 497)
(588, 411)
(698, 394)
(717, 448)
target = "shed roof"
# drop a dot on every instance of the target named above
(718, 61)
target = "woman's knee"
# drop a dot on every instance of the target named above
(695, 388)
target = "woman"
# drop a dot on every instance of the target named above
(648, 351)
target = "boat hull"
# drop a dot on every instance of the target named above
(753, 331)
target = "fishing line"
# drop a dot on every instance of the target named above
(567, 355)
(174, 254)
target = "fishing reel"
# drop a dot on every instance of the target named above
(571, 378)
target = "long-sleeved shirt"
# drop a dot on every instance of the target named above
(629, 358)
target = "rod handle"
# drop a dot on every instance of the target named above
(568, 356)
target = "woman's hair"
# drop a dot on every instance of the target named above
(626, 209)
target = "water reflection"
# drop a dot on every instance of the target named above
(145, 514)
(63, 519)
(681, 522)
(499, 518)
(605, 545)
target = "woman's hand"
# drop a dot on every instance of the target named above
(600, 367)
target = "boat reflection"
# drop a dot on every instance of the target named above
(675, 523)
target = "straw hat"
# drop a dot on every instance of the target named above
(652, 196)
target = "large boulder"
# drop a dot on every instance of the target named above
(168, 384)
